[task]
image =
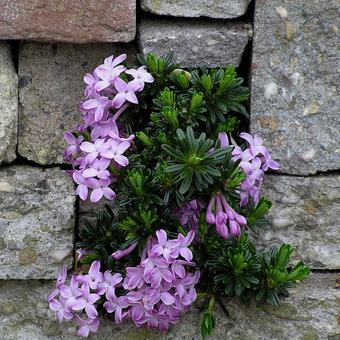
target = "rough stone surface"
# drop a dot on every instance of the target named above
(306, 214)
(68, 21)
(36, 222)
(210, 44)
(8, 105)
(311, 312)
(221, 9)
(295, 83)
(50, 89)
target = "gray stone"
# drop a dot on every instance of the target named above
(220, 9)
(195, 43)
(37, 208)
(68, 21)
(306, 214)
(295, 83)
(8, 105)
(311, 312)
(50, 89)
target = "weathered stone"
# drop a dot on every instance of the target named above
(68, 21)
(295, 83)
(36, 222)
(220, 9)
(195, 43)
(306, 214)
(50, 89)
(8, 105)
(310, 312)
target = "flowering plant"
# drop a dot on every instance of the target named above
(164, 145)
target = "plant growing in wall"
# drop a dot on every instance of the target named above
(165, 146)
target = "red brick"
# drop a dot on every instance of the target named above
(79, 21)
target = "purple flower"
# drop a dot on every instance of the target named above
(189, 214)
(98, 169)
(134, 277)
(99, 104)
(109, 283)
(60, 282)
(254, 143)
(126, 92)
(223, 139)
(80, 253)
(180, 246)
(255, 160)
(123, 252)
(227, 220)
(156, 270)
(141, 75)
(94, 149)
(94, 276)
(114, 150)
(83, 185)
(101, 188)
(158, 290)
(58, 307)
(86, 326)
(88, 300)
(109, 71)
(108, 129)
(268, 162)
(117, 304)
(90, 80)
(73, 143)
(161, 248)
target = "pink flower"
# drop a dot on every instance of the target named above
(60, 282)
(98, 169)
(223, 139)
(108, 285)
(255, 160)
(86, 326)
(99, 104)
(126, 92)
(109, 71)
(227, 220)
(88, 300)
(58, 307)
(114, 150)
(108, 129)
(83, 185)
(94, 276)
(73, 143)
(180, 246)
(94, 149)
(90, 80)
(117, 304)
(123, 252)
(141, 75)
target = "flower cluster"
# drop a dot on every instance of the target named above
(98, 145)
(228, 222)
(188, 214)
(255, 160)
(156, 292)
(161, 288)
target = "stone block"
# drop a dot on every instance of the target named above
(37, 221)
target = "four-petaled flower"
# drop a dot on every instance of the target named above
(126, 92)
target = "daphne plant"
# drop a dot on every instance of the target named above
(165, 146)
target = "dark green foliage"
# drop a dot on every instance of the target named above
(192, 162)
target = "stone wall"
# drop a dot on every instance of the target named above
(294, 75)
